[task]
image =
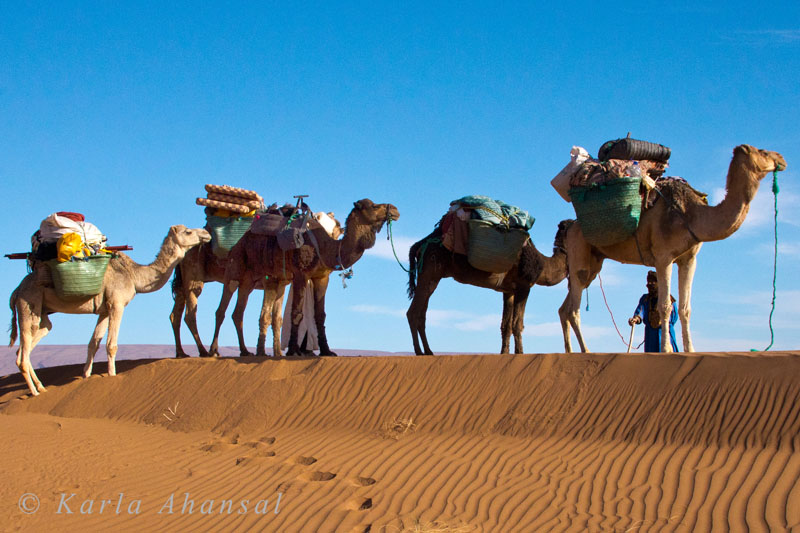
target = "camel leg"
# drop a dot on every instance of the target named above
(94, 344)
(29, 317)
(320, 289)
(506, 321)
(686, 270)
(664, 273)
(175, 319)
(266, 317)
(570, 314)
(417, 312)
(24, 360)
(583, 267)
(518, 320)
(190, 317)
(245, 288)
(228, 288)
(277, 319)
(298, 295)
(44, 328)
(114, 320)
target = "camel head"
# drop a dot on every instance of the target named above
(367, 213)
(757, 161)
(187, 238)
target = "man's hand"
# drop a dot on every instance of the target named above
(635, 320)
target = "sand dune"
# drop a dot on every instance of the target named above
(601, 442)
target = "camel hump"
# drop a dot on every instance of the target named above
(680, 194)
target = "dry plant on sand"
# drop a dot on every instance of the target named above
(429, 527)
(171, 413)
(398, 427)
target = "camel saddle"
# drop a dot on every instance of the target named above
(289, 231)
(268, 224)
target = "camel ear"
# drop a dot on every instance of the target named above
(362, 204)
(743, 148)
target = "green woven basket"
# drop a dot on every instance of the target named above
(226, 232)
(493, 248)
(608, 213)
(81, 278)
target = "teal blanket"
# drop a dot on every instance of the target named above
(497, 212)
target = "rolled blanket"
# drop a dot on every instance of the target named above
(234, 191)
(236, 208)
(250, 204)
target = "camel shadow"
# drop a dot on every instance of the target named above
(13, 386)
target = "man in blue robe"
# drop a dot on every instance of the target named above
(647, 312)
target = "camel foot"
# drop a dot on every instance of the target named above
(246, 354)
(329, 353)
(207, 354)
(293, 351)
(181, 355)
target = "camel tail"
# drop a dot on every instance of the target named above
(412, 269)
(13, 327)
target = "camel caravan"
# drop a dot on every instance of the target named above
(626, 210)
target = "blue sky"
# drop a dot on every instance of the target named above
(124, 111)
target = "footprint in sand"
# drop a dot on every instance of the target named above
(359, 504)
(218, 446)
(303, 460)
(265, 453)
(318, 476)
(363, 481)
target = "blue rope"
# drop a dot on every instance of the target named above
(775, 191)
(391, 240)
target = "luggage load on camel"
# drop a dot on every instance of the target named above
(489, 232)
(290, 222)
(229, 213)
(45, 241)
(75, 254)
(609, 194)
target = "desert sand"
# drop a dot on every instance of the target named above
(541, 442)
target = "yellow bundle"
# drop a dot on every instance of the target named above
(71, 245)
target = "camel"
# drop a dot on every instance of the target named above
(668, 234)
(35, 298)
(200, 266)
(437, 262)
(257, 256)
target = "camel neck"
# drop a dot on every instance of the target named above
(722, 220)
(555, 268)
(150, 278)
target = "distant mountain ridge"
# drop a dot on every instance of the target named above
(50, 355)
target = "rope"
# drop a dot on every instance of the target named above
(609, 311)
(391, 240)
(775, 191)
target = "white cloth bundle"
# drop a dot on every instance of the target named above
(54, 226)
(560, 183)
